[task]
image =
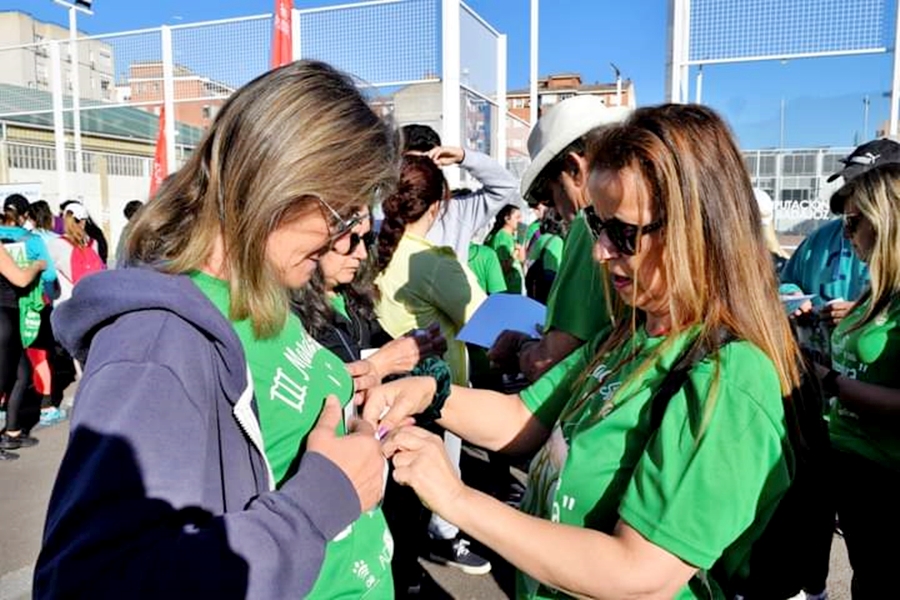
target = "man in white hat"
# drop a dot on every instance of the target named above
(557, 176)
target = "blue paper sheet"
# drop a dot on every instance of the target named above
(500, 312)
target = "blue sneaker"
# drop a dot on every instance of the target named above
(51, 416)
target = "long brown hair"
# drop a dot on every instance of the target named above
(421, 184)
(288, 137)
(718, 271)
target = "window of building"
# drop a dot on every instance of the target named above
(23, 156)
(124, 165)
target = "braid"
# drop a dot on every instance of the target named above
(421, 185)
(392, 229)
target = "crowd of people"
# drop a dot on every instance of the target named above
(273, 393)
(59, 250)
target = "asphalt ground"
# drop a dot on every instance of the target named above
(25, 487)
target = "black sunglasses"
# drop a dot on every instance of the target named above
(624, 236)
(851, 223)
(540, 190)
(367, 239)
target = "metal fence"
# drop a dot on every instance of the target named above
(796, 179)
(93, 105)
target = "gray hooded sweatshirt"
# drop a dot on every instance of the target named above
(164, 491)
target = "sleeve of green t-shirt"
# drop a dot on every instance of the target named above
(576, 304)
(504, 245)
(553, 253)
(547, 396)
(452, 288)
(695, 494)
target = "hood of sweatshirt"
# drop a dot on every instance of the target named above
(101, 298)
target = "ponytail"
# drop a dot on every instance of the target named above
(421, 185)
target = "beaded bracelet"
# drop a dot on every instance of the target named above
(440, 371)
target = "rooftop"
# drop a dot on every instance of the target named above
(123, 122)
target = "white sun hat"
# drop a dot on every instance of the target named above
(563, 124)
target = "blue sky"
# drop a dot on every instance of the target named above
(823, 98)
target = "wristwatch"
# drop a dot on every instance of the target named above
(829, 384)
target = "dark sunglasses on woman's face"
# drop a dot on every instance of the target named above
(368, 239)
(342, 231)
(624, 236)
(851, 223)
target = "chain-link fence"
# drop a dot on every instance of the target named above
(94, 103)
(797, 182)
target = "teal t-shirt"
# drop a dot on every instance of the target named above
(871, 354)
(483, 262)
(576, 304)
(824, 264)
(504, 244)
(292, 376)
(702, 486)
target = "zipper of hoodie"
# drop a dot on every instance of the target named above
(249, 424)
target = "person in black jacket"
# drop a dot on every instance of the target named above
(337, 309)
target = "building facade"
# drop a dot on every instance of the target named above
(197, 98)
(29, 66)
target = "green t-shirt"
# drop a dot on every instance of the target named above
(483, 262)
(339, 303)
(870, 354)
(702, 486)
(551, 251)
(292, 375)
(576, 304)
(550, 246)
(504, 244)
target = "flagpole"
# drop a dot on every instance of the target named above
(282, 50)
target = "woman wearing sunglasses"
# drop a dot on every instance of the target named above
(337, 308)
(619, 506)
(207, 456)
(865, 381)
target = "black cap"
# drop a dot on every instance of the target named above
(18, 203)
(868, 156)
(883, 151)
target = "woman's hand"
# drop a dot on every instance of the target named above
(505, 351)
(430, 341)
(365, 376)
(446, 155)
(391, 405)
(404, 353)
(357, 454)
(835, 311)
(520, 253)
(421, 463)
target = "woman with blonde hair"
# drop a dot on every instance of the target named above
(767, 222)
(207, 454)
(864, 381)
(623, 500)
(74, 252)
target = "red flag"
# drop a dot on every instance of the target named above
(282, 51)
(160, 169)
